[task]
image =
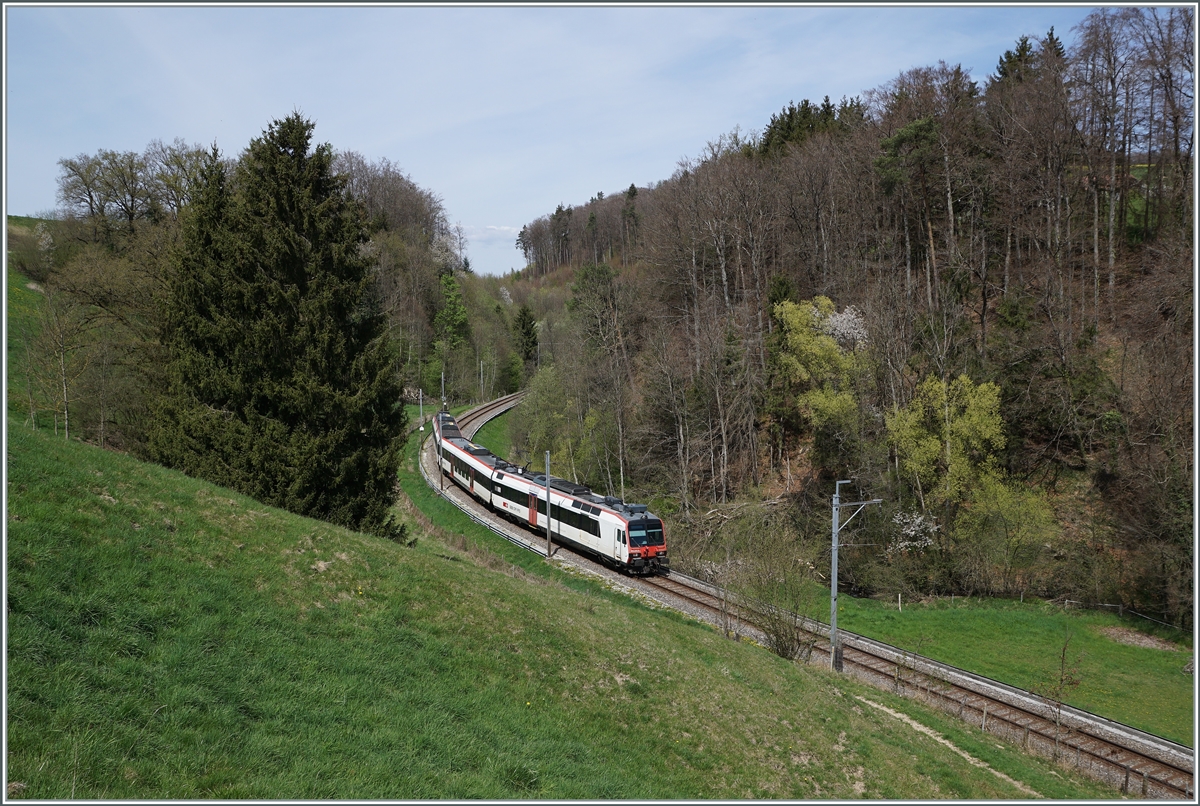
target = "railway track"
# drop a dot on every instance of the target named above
(1140, 764)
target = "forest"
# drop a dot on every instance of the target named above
(971, 297)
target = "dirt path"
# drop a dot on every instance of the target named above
(937, 737)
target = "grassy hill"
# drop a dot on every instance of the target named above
(171, 639)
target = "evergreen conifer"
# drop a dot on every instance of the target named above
(281, 373)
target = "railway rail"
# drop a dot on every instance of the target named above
(1140, 764)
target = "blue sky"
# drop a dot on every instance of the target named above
(503, 111)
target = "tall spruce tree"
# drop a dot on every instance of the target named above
(525, 333)
(282, 379)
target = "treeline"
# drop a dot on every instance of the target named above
(257, 321)
(973, 299)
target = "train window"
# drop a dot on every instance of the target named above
(646, 533)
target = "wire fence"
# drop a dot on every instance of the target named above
(1121, 611)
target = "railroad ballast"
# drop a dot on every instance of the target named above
(625, 535)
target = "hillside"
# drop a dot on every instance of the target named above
(970, 293)
(170, 639)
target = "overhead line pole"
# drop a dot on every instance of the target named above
(441, 471)
(835, 647)
(548, 547)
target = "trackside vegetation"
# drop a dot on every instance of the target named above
(171, 639)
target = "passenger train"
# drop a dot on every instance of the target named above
(624, 535)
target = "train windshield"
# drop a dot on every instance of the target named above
(646, 533)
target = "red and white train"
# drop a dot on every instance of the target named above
(624, 535)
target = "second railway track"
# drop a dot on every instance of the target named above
(1140, 764)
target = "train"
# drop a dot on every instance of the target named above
(626, 536)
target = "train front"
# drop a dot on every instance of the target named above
(647, 545)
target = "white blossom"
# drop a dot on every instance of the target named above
(847, 328)
(444, 253)
(45, 245)
(44, 240)
(916, 532)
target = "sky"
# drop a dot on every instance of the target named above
(503, 111)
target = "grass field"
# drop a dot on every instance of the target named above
(1021, 644)
(494, 436)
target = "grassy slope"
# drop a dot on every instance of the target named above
(170, 639)
(23, 312)
(494, 436)
(1021, 644)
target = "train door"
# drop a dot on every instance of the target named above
(609, 546)
(533, 510)
(471, 473)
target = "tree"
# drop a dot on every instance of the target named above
(451, 323)
(946, 438)
(1057, 683)
(61, 350)
(172, 171)
(281, 374)
(524, 328)
(81, 192)
(906, 165)
(124, 181)
(600, 306)
(1000, 534)
(818, 356)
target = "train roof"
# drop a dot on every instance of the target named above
(478, 451)
(447, 425)
(587, 499)
(586, 495)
